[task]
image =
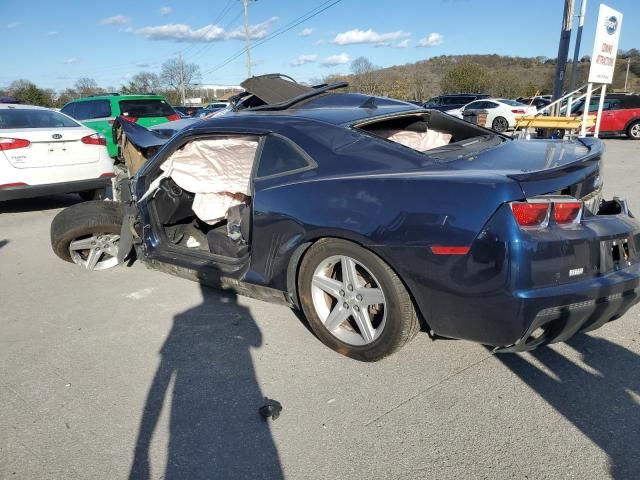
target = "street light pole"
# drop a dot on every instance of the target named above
(246, 36)
(576, 50)
(626, 77)
(563, 49)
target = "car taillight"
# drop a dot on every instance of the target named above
(13, 143)
(94, 139)
(540, 212)
(107, 175)
(129, 118)
(173, 117)
(518, 112)
(566, 212)
(16, 184)
(531, 214)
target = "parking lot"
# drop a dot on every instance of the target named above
(133, 373)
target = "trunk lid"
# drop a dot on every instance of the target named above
(51, 147)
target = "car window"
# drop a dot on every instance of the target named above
(69, 109)
(511, 103)
(473, 105)
(280, 156)
(490, 105)
(27, 118)
(464, 100)
(453, 101)
(434, 102)
(90, 109)
(146, 108)
(613, 104)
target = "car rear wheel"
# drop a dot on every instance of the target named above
(633, 131)
(354, 302)
(88, 234)
(500, 124)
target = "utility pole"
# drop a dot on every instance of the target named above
(182, 95)
(563, 49)
(576, 49)
(246, 35)
(626, 77)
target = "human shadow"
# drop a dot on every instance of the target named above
(215, 430)
(599, 403)
(38, 203)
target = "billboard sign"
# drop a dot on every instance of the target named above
(605, 48)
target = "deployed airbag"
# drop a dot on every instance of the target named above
(217, 170)
(420, 141)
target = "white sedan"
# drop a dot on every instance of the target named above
(43, 152)
(501, 112)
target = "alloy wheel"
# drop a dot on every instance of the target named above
(635, 130)
(349, 300)
(96, 252)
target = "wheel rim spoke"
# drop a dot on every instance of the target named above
(83, 244)
(92, 259)
(349, 272)
(328, 285)
(371, 296)
(337, 317)
(364, 325)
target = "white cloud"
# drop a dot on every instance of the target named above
(51, 34)
(256, 32)
(14, 24)
(319, 42)
(179, 32)
(115, 20)
(368, 36)
(306, 32)
(302, 59)
(403, 44)
(334, 60)
(165, 11)
(70, 61)
(432, 40)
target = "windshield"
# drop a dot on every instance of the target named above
(28, 118)
(146, 108)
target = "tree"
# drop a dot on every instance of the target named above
(86, 86)
(465, 77)
(174, 75)
(143, 82)
(366, 76)
(27, 92)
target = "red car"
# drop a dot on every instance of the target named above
(620, 114)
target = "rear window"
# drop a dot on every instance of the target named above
(23, 118)
(146, 108)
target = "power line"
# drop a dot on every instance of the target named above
(294, 23)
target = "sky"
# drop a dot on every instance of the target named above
(55, 43)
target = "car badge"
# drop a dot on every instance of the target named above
(56, 136)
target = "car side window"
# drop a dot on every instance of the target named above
(613, 104)
(490, 105)
(279, 156)
(69, 109)
(473, 105)
(92, 109)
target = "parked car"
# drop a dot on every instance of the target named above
(620, 114)
(452, 101)
(219, 104)
(538, 102)
(189, 111)
(43, 152)
(98, 112)
(374, 222)
(501, 112)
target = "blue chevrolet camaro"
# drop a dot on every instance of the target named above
(373, 217)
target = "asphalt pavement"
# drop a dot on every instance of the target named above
(132, 373)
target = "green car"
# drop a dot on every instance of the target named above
(98, 112)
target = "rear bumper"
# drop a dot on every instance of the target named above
(30, 191)
(555, 314)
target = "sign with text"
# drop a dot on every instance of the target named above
(605, 48)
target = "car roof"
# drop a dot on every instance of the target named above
(120, 97)
(20, 106)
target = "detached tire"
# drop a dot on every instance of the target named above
(354, 302)
(97, 221)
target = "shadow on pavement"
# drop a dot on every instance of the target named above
(3, 243)
(599, 402)
(39, 203)
(207, 381)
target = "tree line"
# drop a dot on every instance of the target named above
(497, 75)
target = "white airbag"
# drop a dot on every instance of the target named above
(420, 141)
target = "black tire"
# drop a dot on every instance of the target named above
(98, 194)
(81, 220)
(633, 130)
(500, 124)
(402, 323)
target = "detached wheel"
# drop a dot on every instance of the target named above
(98, 194)
(633, 131)
(354, 302)
(88, 234)
(500, 124)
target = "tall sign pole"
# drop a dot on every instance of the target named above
(563, 49)
(246, 36)
(603, 60)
